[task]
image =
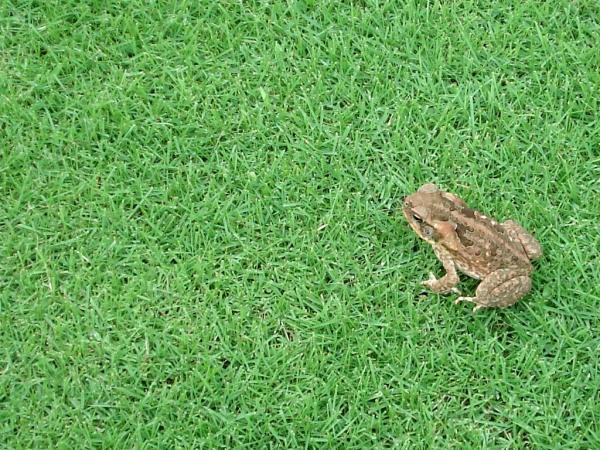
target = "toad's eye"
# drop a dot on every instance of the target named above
(417, 218)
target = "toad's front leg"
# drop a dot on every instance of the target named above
(501, 288)
(449, 281)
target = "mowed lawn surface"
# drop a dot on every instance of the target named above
(200, 237)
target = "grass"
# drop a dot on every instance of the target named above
(200, 239)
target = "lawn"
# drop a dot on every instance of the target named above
(201, 243)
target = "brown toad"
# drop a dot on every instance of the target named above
(498, 254)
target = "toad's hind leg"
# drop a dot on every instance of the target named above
(532, 247)
(501, 288)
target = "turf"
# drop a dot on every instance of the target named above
(200, 242)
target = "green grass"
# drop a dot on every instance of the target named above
(200, 242)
